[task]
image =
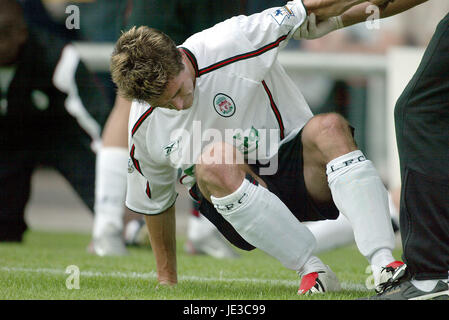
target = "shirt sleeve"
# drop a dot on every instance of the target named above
(150, 185)
(273, 26)
(248, 44)
(148, 193)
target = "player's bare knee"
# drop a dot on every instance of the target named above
(218, 170)
(218, 180)
(330, 134)
(208, 177)
(332, 124)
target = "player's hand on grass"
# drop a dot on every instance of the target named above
(165, 284)
(310, 29)
(167, 278)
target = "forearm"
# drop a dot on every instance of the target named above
(162, 232)
(359, 13)
(324, 9)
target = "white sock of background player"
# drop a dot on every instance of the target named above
(110, 189)
(332, 234)
(198, 228)
(264, 221)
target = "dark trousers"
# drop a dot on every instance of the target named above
(422, 129)
(68, 151)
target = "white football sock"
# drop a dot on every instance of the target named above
(359, 194)
(331, 234)
(110, 188)
(381, 257)
(199, 227)
(264, 221)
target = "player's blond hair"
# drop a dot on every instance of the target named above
(143, 61)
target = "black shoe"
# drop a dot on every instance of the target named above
(400, 287)
(407, 291)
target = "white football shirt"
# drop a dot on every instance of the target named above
(242, 96)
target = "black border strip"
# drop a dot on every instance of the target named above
(134, 160)
(192, 59)
(275, 110)
(141, 120)
(241, 57)
(148, 190)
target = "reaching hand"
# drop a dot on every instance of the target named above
(310, 29)
(380, 2)
(324, 9)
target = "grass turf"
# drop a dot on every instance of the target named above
(35, 269)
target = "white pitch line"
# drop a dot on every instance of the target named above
(153, 275)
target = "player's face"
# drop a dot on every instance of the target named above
(12, 37)
(179, 92)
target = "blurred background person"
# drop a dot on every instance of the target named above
(52, 112)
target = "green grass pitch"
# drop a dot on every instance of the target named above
(36, 269)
